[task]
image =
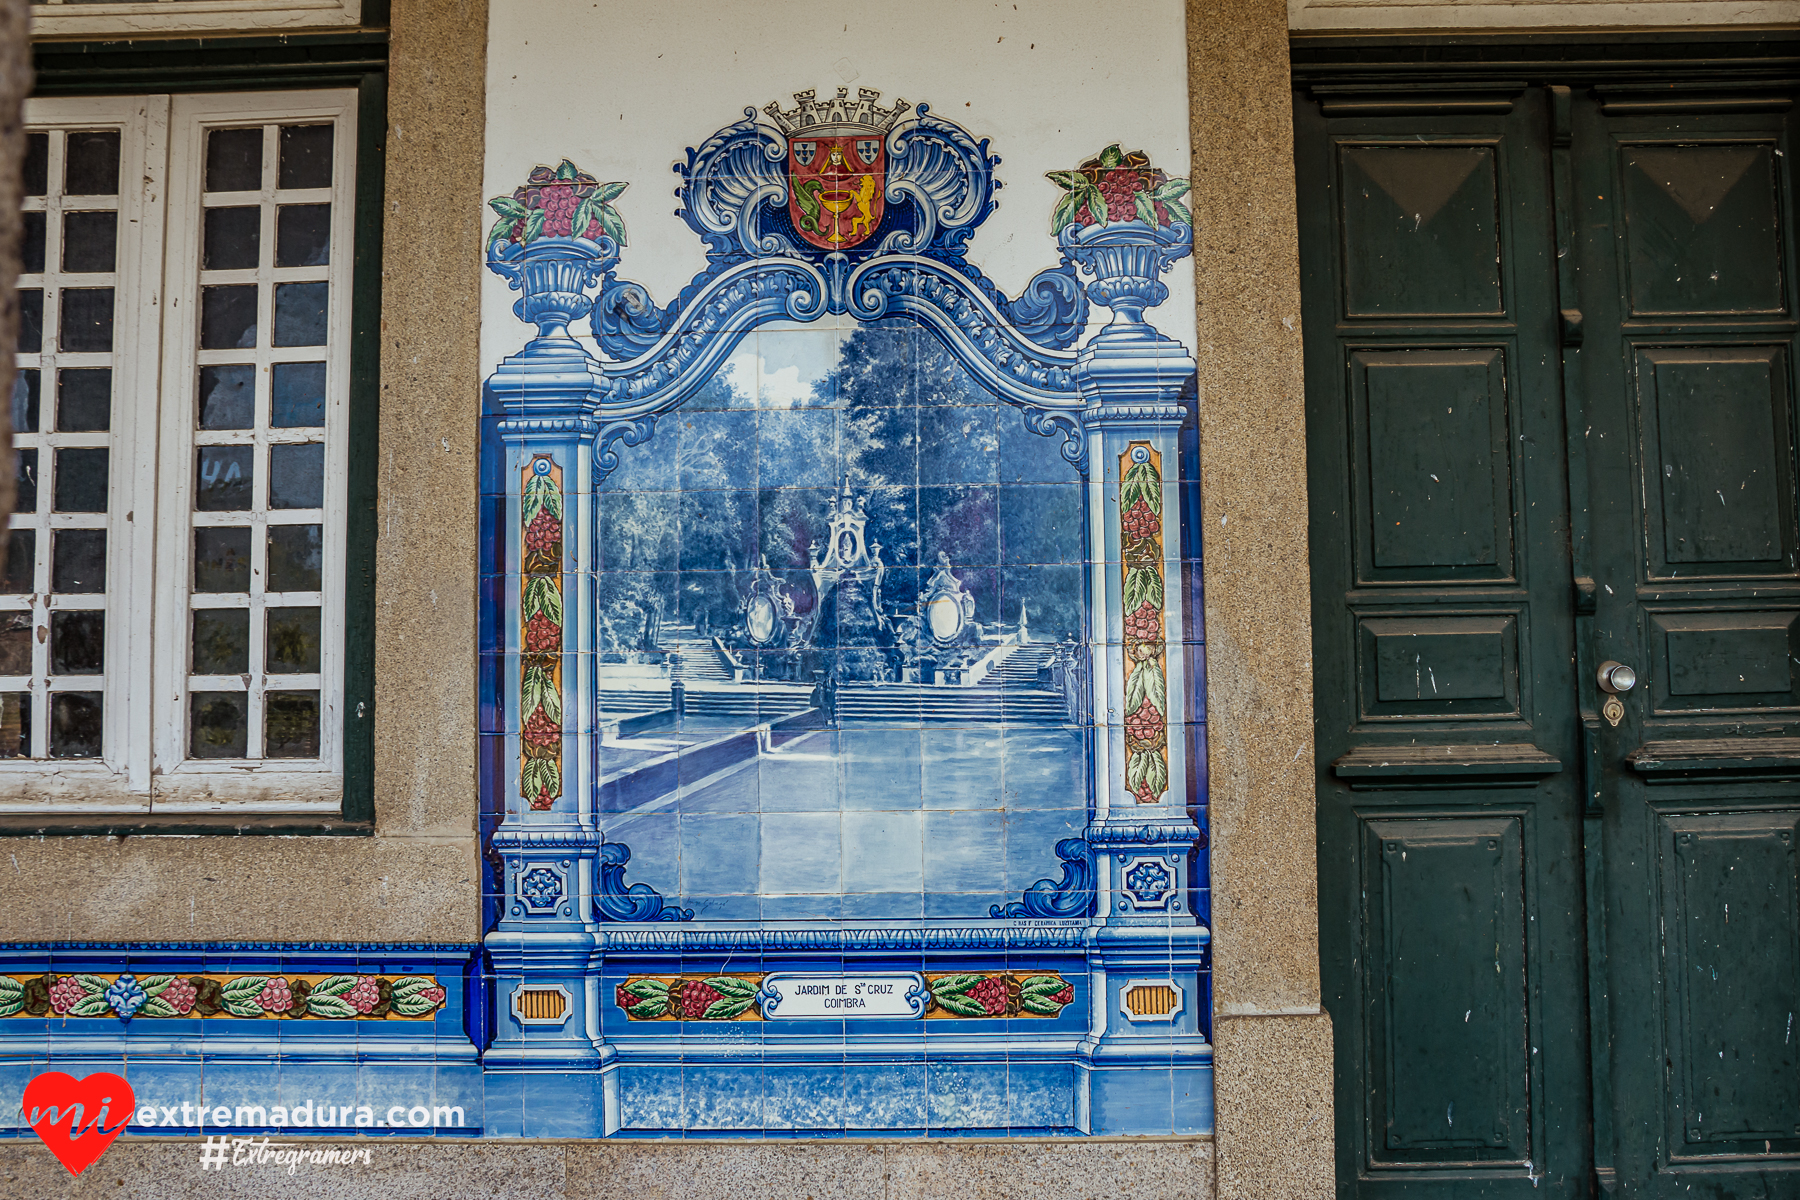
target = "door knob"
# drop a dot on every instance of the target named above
(1616, 677)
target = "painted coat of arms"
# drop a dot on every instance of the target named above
(837, 164)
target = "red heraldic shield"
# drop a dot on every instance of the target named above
(837, 182)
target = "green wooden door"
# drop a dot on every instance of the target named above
(1449, 799)
(1684, 387)
(1562, 957)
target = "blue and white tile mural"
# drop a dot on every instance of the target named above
(843, 746)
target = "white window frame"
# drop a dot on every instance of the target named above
(60, 19)
(145, 767)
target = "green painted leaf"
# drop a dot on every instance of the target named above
(1146, 212)
(724, 1010)
(93, 985)
(551, 702)
(412, 985)
(334, 985)
(413, 1006)
(1134, 771)
(500, 232)
(507, 207)
(954, 984)
(247, 985)
(1156, 774)
(584, 213)
(90, 1006)
(1040, 1004)
(1065, 213)
(541, 595)
(567, 171)
(1179, 211)
(542, 495)
(649, 989)
(1112, 156)
(961, 1005)
(1096, 205)
(329, 1006)
(1171, 188)
(154, 984)
(534, 225)
(737, 989)
(1041, 985)
(606, 193)
(534, 777)
(12, 996)
(649, 1009)
(155, 1006)
(613, 223)
(1068, 181)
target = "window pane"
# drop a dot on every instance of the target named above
(75, 724)
(77, 642)
(37, 164)
(303, 235)
(25, 400)
(234, 160)
(31, 243)
(300, 313)
(31, 320)
(291, 724)
(305, 156)
(87, 319)
(221, 641)
(90, 241)
(84, 399)
(81, 481)
(293, 639)
(297, 398)
(228, 396)
(228, 317)
(25, 482)
(233, 239)
(15, 725)
(78, 561)
(223, 478)
(297, 476)
(21, 561)
(93, 164)
(219, 724)
(222, 560)
(15, 643)
(294, 558)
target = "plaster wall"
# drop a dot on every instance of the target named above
(1431, 15)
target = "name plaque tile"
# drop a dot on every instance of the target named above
(840, 997)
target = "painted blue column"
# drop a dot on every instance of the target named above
(1149, 1061)
(547, 1058)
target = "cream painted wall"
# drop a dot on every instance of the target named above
(1391, 17)
(624, 92)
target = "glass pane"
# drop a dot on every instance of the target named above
(90, 241)
(222, 560)
(78, 561)
(228, 317)
(25, 482)
(223, 478)
(21, 561)
(15, 725)
(294, 558)
(74, 724)
(233, 239)
(300, 313)
(221, 641)
(84, 399)
(291, 724)
(87, 319)
(25, 400)
(297, 399)
(293, 642)
(297, 476)
(37, 164)
(31, 320)
(228, 396)
(92, 168)
(219, 724)
(305, 156)
(31, 243)
(234, 160)
(77, 642)
(81, 477)
(15, 643)
(303, 235)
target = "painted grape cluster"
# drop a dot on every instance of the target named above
(729, 997)
(1146, 680)
(334, 997)
(541, 618)
(972, 994)
(1118, 186)
(561, 201)
(713, 998)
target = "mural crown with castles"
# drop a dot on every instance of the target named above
(810, 112)
(837, 164)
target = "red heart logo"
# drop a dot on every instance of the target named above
(70, 1114)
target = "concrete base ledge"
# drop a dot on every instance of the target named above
(1033, 1169)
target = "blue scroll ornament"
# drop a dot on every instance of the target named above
(640, 901)
(1070, 896)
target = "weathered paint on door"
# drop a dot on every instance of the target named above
(1514, 299)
